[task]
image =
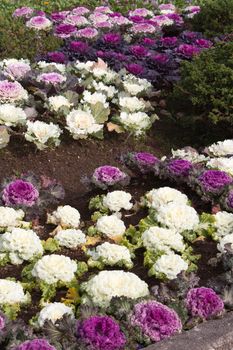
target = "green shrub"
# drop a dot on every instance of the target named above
(215, 18)
(205, 91)
(17, 41)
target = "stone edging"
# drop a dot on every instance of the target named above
(211, 335)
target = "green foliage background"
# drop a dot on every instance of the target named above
(215, 18)
(205, 90)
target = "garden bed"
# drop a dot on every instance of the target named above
(116, 185)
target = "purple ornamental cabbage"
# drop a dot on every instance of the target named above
(160, 58)
(136, 19)
(230, 199)
(107, 175)
(115, 14)
(23, 12)
(79, 46)
(141, 161)
(139, 51)
(226, 199)
(35, 344)
(51, 78)
(144, 158)
(112, 38)
(88, 33)
(188, 51)
(169, 41)
(148, 41)
(203, 43)
(20, 192)
(190, 36)
(179, 167)
(203, 302)
(64, 30)
(213, 181)
(40, 13)
(155, 320)
(57, 57)
(135, 68)
(176, 18)
(59, 16)
(101, 333)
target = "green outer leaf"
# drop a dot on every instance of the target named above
(51, 245)
(100, 113)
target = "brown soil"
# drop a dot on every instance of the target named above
(73, 162)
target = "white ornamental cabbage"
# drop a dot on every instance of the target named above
(21, 245)
(11, 115)
(221, 148)
(111, 254)
(10, 217)
(164, 195)
(12, 293)
(228, 239)
(43, 134)
(223, 223)
(107, 76)
(118, 200)
(162, 239)
(179, 217)
(65, 216)
(57, 102)
(55, 268)
(54, 312)
(70, 238)
(86, 66)
(110, 90)
(189, 154)
(223, 164)
(131, 104)
(137, 123)
(107, 284)
(96, 97)
(171, 265)
(135, 86)
(81, 123)
(47, 67)
(111, 226)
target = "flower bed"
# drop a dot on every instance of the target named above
(148, 44)
(86, 275)
(42, 101)
(127, 247)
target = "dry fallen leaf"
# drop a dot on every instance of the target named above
(114, 127)
(100, 65)
(201, 238)
(54, 232)
(92, 240)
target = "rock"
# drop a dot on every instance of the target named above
(211, 335)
